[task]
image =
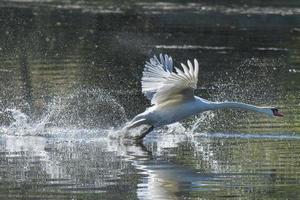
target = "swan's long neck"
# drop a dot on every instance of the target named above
(238, 105)
(220, 105)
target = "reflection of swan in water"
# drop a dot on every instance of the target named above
(90, 161)
(69, 164)
(64, 158)
(172, 96)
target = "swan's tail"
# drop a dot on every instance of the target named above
(137, 129)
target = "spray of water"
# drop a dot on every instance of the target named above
(84, 109)
(95, 109)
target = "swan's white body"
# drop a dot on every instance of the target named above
(172, 95)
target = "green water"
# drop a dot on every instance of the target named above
(70, 76)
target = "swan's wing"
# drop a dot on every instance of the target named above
(160, 83)
(155, 73)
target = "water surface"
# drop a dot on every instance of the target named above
(70, 76)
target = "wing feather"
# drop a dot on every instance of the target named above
(160, 83)
(185, 69)
(196, 71)
(191, 68)
(179, 72)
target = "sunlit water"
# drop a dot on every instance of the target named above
(70, 78)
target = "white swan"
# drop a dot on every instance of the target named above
(172, 96)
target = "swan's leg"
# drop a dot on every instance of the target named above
(145, 133)
(138, 128)
(139, 139)
(135, 124)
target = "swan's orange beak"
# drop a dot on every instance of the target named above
(277, 113)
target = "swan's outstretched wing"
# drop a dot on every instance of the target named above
(160, 83)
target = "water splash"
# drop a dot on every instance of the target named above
(89, 108)
(84, 109)
(19, 125)
(202, 122)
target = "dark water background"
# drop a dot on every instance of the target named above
(70, 75)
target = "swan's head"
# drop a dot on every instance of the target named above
(273, 112)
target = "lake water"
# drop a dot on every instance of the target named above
(70, 76)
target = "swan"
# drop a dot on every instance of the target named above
(172, 96)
